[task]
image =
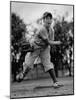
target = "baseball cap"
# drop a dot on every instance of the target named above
(47, 14)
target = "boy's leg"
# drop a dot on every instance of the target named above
(28, 64)
(48, 65)
(52, 74)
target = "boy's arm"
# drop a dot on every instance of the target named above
(43, 36)
(50, 42)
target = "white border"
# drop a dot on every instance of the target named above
(5, 50)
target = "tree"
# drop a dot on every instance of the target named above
(61, 30)
(18, 30)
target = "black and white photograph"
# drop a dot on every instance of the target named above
(41, 49)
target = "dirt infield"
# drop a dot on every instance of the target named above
(41, 87)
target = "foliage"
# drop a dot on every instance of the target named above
(61, 30)
(18, 28)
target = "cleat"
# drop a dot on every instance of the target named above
(57, 85)
(21, 75)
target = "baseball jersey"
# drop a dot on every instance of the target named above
(42, 34)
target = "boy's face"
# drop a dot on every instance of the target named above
(47, 21)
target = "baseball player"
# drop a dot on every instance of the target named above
(43, 40)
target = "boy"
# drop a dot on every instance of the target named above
(44, 38)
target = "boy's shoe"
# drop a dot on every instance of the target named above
(20, 77)
(57, 85)
(22, 74)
